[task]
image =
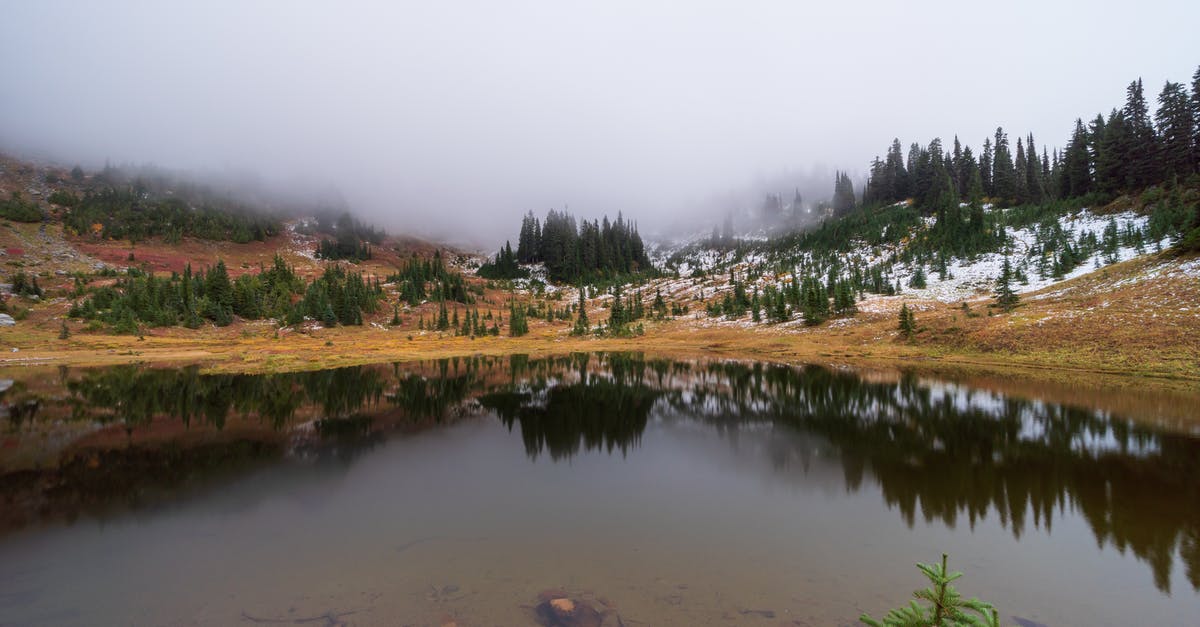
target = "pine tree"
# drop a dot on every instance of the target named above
(64, 332)
(1020, 166)
(582, 325)
(985, 168)
(1195, 102)
(1143, 164)
(1035, 190)
(843, 194)
(946, 606)
(1077, 163)
(908, 323)
(1006, 298)
(1176, 128)
(1003, 171)
(517, 323)
(917, 281)
(1112, 157)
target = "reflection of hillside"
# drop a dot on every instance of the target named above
(941, 452)
(562, 420)
(955, 457)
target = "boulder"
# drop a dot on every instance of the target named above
(565, 612)
(7, 320)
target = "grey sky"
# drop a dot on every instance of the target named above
(432, 115)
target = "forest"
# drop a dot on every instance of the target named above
(139, 299)
(573, 252)
(1126, 153)
(131, 212)
(935, 204)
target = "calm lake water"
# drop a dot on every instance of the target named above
(666, 493)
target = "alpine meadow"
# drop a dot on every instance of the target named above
(600, 315)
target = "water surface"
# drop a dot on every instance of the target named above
(679, 493)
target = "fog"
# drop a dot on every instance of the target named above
(451, 119)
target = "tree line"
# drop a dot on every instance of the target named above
(1130, 150)
(130, 212)
(572, 251)
(192, 298)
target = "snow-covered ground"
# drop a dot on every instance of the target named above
(965, 278)
(971, 277)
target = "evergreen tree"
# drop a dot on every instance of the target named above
(1176, 128)
(985, 168)
(843, 298)
(1112, 157)
(1143, 165)
(1077, 163)
(518, 325)
(908, 323)
(582, 325)
(815, 300)
(843, 194)
(946, 606)
(1196, 126)
(917, 281)
(1006, 298)
(1035, 190)
(1004, 180)
(1020, 167)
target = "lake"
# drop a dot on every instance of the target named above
(658, 492)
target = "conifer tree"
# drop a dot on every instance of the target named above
(1020, 167)
(1195, 102)
(1077, 163)
(518, 325)
(1006, 298)
(946, 607)
(1176, 128)
(843, 194)
(908, 323)
(1035, 190)
(660, 305)
(1003, 171)
(985, 168)
(582, 325)
(1143, 165)
(917, 281)
(1112, 157)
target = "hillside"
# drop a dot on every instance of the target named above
(1127, 306)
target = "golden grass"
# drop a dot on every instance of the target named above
(1087, 327)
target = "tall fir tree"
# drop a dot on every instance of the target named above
(985, 168)
(1004, 178)
(1196, 125)
(1077, 163)
(1176, 129)
(1143, 164)
(1112, 156)
(1006, 298)
(1020, 166)
(1035, 190)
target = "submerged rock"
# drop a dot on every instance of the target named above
(561, 611)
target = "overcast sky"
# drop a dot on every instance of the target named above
(444, 114)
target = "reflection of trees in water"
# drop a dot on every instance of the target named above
(132, 395)
(953, 454)
(943, 453)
